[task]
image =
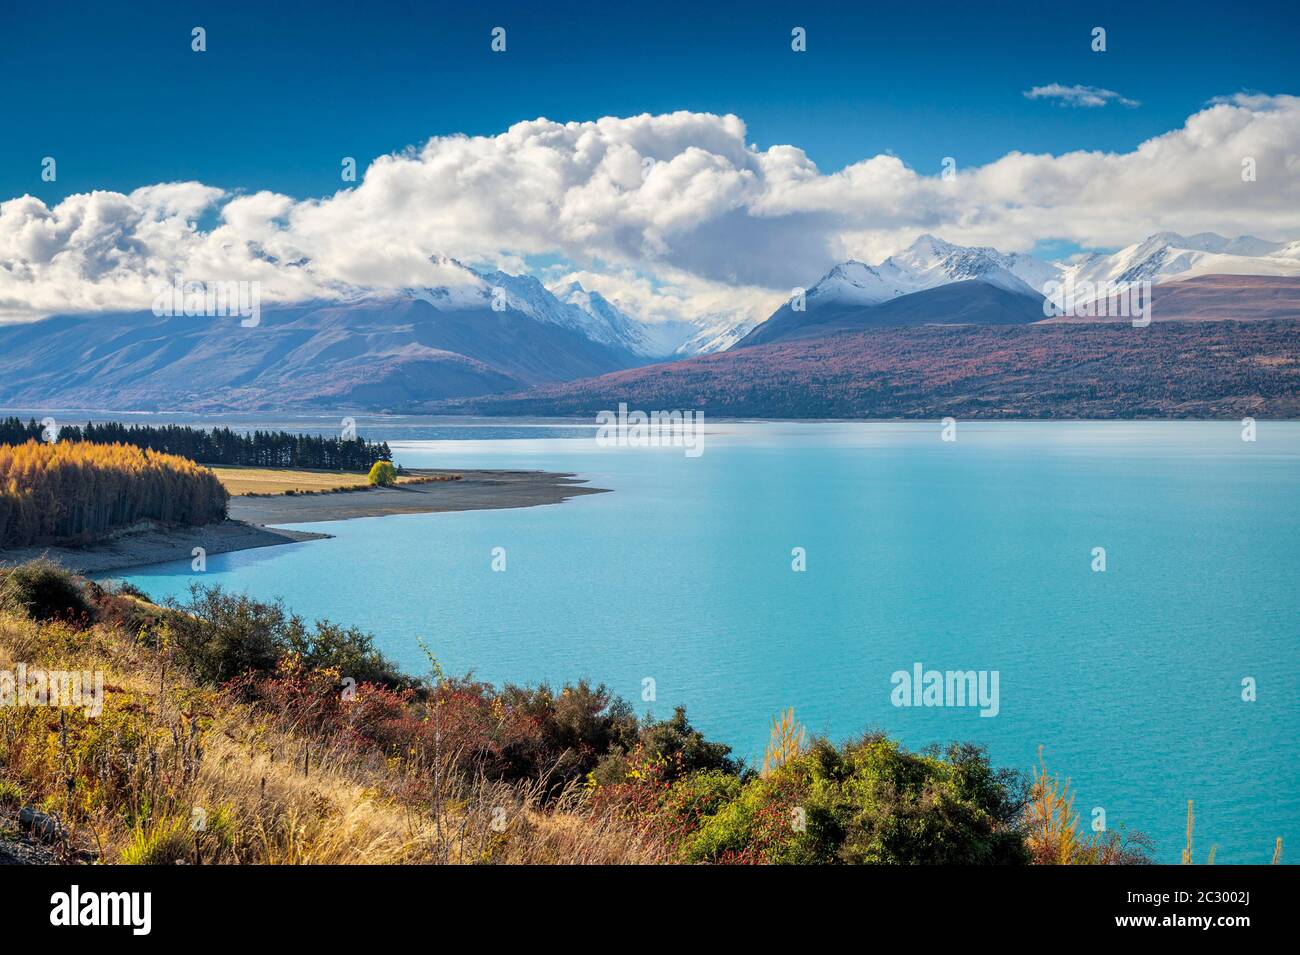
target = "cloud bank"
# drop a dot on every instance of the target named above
(678, 203)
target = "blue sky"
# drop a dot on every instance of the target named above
(226, 163)
(285, 89)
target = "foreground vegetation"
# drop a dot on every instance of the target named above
(76, 492)
(267, 449)
(232, 731)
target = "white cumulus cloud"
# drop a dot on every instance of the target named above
(678, 213)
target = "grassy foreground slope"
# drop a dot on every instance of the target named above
(234, 732)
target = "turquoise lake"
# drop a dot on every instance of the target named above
(975, 554)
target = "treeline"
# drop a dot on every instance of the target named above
(78, 492)
(265, 449)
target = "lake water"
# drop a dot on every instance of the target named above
(976, 554)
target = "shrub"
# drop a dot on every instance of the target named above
(348, 650)
(870, 801)
(219, 636)
(941, 806)
(128, 589)
(382, 474)
(675, 737)
(43, 590)
(537, 733)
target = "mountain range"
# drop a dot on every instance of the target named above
(388, 350)
(983, 286)
(423, 348)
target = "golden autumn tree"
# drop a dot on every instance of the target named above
(77, 492)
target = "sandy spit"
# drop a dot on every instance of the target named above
(249, 516)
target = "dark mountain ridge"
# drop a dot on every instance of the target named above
(377, 354)
(968, 302)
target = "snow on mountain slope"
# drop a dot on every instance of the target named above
(1170, 257)
(699, 336)
(609, 323)
(527, 294)
(1164, 257)
(936, 262)
(715, 333)
(842, 294)
(928, 263)
(587, 312)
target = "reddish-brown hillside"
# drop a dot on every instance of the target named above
(1098, 370)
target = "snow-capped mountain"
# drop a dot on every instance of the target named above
(609, 323)
(587, 312)
(526, 294)
(934, 262)
(1170, 257)
(570, 306)
(714, 333)
(667, 339)
(1163, 257)
(991, 287)
(928, 263)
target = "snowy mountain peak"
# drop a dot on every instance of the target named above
(699, 336)
(928, 248)
(605, 320)
(1170, 257)
(1212, 242)
(927, 263)
(1163, 257)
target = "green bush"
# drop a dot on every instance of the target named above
(675, 737)
(694, 798)
(44, 591)
(127, 589)
(349, 650)
(871, 801)
(569, 731)
(219, 636)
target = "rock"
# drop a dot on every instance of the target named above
(40, 825)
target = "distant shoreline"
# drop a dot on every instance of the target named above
(475, 491)
(246, 528)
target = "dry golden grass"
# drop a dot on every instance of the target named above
(245, 480)
(180, 773)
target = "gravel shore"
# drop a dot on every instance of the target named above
(475, 491)
(249, 516)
